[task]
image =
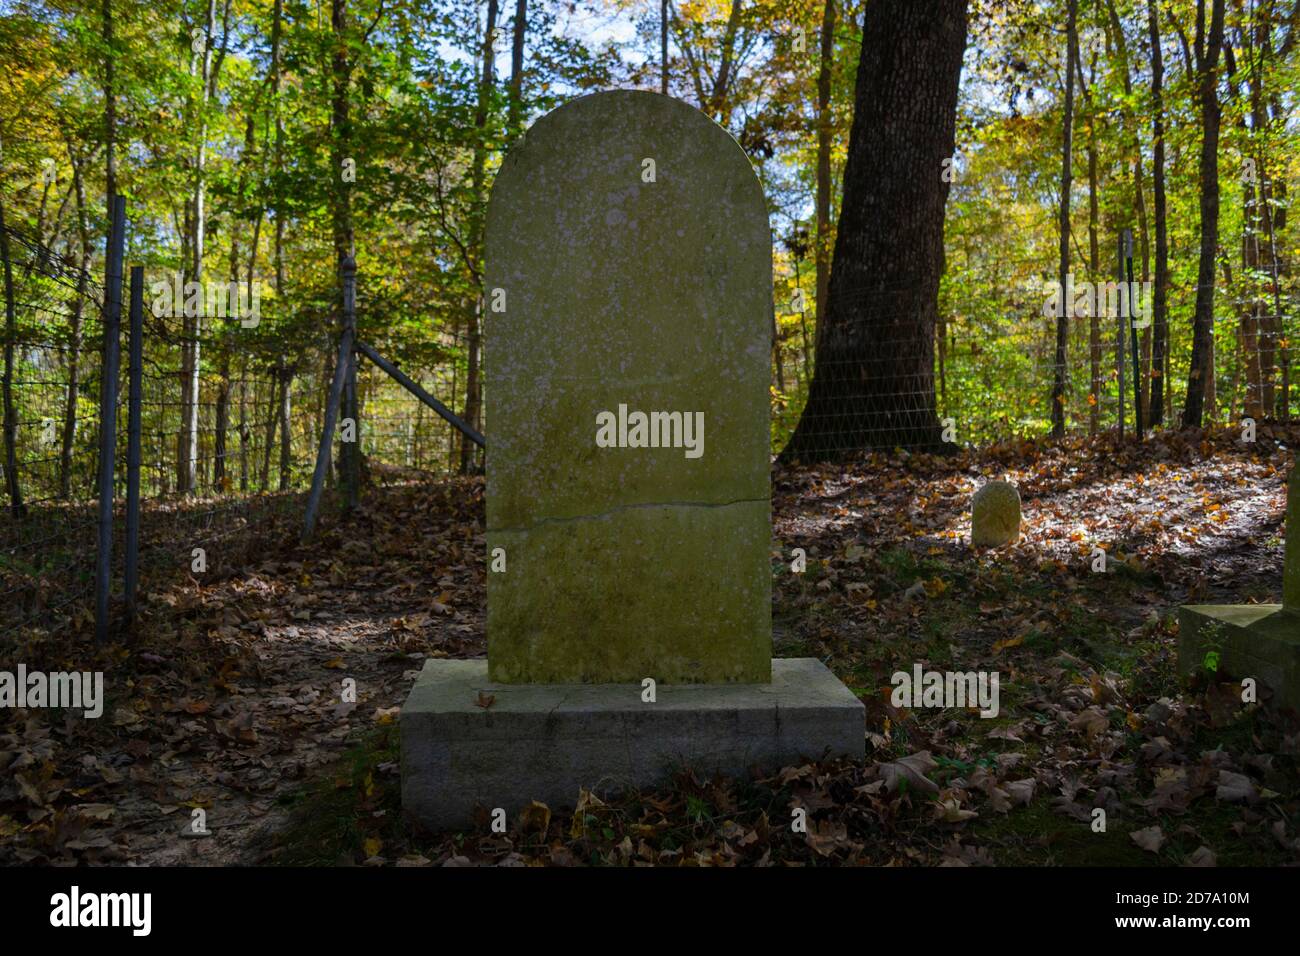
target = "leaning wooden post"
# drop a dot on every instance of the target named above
(108, 412)
(135, 370)
(341, 367)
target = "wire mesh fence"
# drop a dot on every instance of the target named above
(51, 379)
(231, 412)
(988, 371)
(230, 425)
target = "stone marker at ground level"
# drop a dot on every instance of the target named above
(1261, 641)
(995, 515)
(627, 327)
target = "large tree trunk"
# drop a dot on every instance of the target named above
(1059, 372)
(1202, 364)
(874, 381)
(823, 249)
(1160, 298)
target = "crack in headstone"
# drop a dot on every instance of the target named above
(613, 511)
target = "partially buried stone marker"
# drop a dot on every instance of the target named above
(627, 346)
(995, 515)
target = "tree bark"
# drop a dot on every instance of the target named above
(286, 438)
(663, 47)
(191, 362)
(1160, 297)
(110, 106)
(473, 318)
(516, 91)
(1139, 193)
(75, 326)
(1059, 373)
(873, 386)
(1094, 251)
(823, 250)
(10, 412)
(272, 418)
(1202, 363)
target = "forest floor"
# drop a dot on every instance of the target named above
(227, 698)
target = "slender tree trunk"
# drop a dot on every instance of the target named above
(1139, 194)
(663, 47)
(1201, 373)
(286, 437)
(474, 309)
(823, 249)
(110, 105)
(1094, 254)
(74, 326)
(341, 129)
(874, 380)
(243, 426)
(515, 100)
(276, 31)
(1059, 376)
(10, 411)
(272, 417)
(191, 366)
(1160, 297)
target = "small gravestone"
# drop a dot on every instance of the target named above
(1259, 641)
(995, 515)
(628, 320)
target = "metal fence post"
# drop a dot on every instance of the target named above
(134, 398)
(108, 412)
(1119, 336)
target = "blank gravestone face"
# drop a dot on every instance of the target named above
(627, 340)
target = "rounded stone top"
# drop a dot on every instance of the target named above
(995, 514)
(628, 272)
(595, 130)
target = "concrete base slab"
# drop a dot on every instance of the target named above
(1253, 640)
(546, 741)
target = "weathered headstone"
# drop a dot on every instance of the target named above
(1260, 641)
(627, 362)
(627, 327)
